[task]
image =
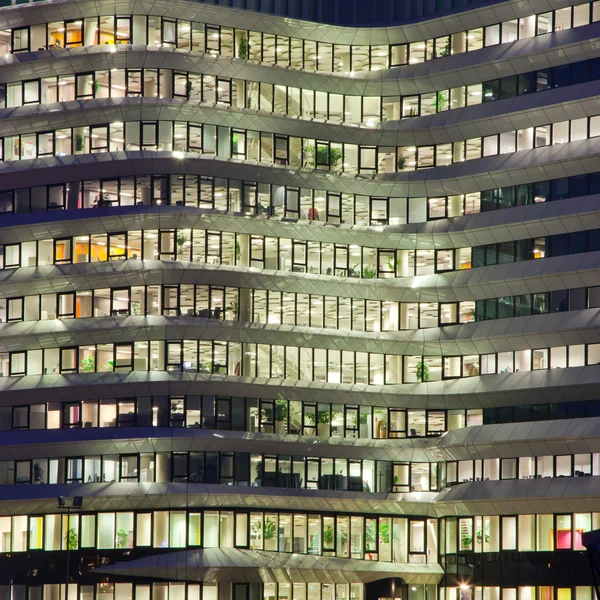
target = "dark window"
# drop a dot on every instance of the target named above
(489, 200)
(559, 301)
(561, 76)
(578, 186)
(508, 87)
(526, 83)
(580, 72)
(578, 241)
(560, 188)
(577, 299)
(559, 245)
(491, 254)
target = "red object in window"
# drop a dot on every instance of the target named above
(563, 539)
(313, 214)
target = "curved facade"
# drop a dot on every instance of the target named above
(293, 311)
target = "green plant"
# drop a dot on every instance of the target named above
(328, 537)
(326, 157)
(243, 49)
(343, 537)
(483, 536)
(181, 240)
(122, 537)
(323, 417)
(445, 51)
(88, 364)
(96, 87)
(400, 163)
(188, 89)
(235, 138)
(269, 529)
(384, 533)
(110, 365)
(281, 410)
(371, 537)
(441, 101)
(136, 308)
(466, 542)
(422, 371)
(79, 143)
(396, 480)
(238, 251)
(71, 539)
(362, 418)
(393, 264)
(369, 272)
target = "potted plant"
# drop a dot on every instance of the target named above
(235, 139)
(71, 539)
(122, 537)
(445, 51)
(335, 155)
(328, 538)
(422, 371)
(181, 240)
(96, 87)
(136, 308)
(243, 49)
(232, 307)
(103, 199)
(110, 365)
(369, 272)
(269, 529)
(384, 533)
(88, 364)
(323, 417)
(441, 101)
(400, 163)
(483, 536)
(38, 473)
(238, 252)
(78, 143)
(281, 411)
(393, 264)
(188, 89)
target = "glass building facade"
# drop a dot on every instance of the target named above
(299, 300)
